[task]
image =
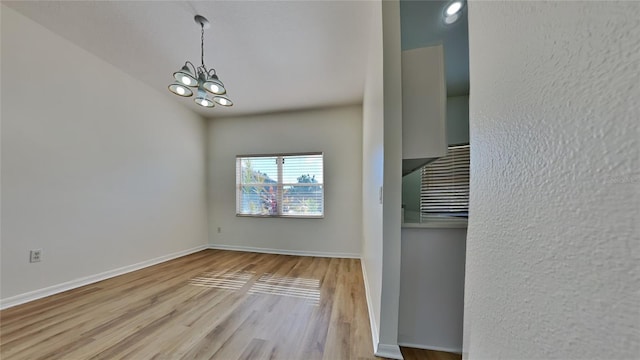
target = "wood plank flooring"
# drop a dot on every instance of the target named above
(213, 304)
(420, 354)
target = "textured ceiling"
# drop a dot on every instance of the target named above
(272, 56)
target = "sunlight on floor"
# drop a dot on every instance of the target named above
(222, 279)
(303, 288)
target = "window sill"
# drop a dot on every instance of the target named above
(437, 224)
(281, 216)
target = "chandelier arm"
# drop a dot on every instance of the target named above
(195, 70)
(210, 70)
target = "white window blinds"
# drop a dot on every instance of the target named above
(280, 185)
(445, 184)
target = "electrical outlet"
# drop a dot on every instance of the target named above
(219, 229)
(35, 255)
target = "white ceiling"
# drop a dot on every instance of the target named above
(423, 25)
(271, 55)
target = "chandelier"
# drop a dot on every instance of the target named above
(206, 81)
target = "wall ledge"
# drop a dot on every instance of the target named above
(443, 224)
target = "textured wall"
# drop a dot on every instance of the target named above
(553, 244)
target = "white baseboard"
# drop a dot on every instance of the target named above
(55, 289)
(284, 252)
(381, 350)
(389, 351)
(372, 318)
(429, 347)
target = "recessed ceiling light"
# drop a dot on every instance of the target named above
(454, 8)
(453, 11)
(451, 18)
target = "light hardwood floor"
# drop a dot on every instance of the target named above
(209, 305)
(419, 354)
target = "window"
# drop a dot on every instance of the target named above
(289, 185)
(445, 185)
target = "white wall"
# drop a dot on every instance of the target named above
(432, 288)
(392, 197)
(458, 120)
(457, 133)
(98, 170)
(411, 185)
(372, 172)
(553, 243)
(337, 132)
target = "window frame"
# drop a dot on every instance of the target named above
(280, 185)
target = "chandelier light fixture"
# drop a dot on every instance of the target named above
(205, 80)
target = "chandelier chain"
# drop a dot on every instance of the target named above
(202, 47)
